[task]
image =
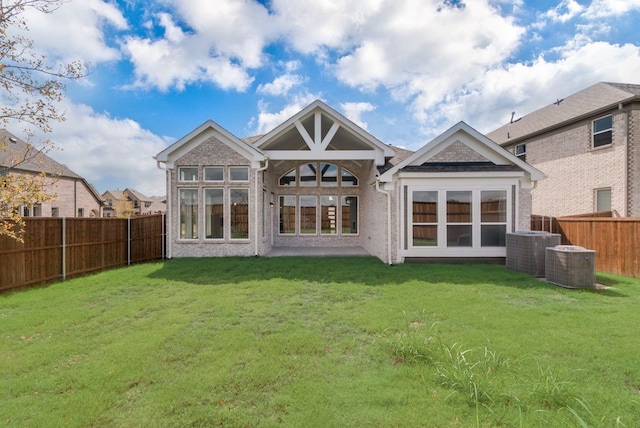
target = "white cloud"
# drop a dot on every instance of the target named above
(354, 111)
(76, 30)
(266, 120)
(281, 85)
(110, 153)
(607, 8)
(488, 101)
(565, 11)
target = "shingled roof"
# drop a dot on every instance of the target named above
(592, 100)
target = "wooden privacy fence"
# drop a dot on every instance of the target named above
(616, 241)
(60, 248)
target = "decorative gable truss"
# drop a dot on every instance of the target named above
(320, 133)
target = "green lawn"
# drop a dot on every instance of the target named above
(326, 342)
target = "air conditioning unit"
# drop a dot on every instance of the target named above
(571, 266)
(526, 250)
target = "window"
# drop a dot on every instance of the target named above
(288, 215)
(289, 179)
(459, 219)
(308, 175)
(603, 131)
(109, 202)
(328, 215)
(213, 173)
(603, 199)
(188, 213)
(425, 218)
(308, 215)
(239, 199)
(493, 218)
(55, 212)
(521, 152)
(188, 173)
(214, 213)
(26, 212)
(147, 204)
(328, 175)
(349, 217)
(37, 211)
(348, 179)
(238, 173)
(80, 212)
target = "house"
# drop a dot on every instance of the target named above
(75, 196)
(588, 145)
(129, 202)
(319, 180)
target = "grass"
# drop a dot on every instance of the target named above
(319, 342)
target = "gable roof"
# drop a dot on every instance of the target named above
(309, 134)
(23, 157)
(496, 157)
(201, 134)
(597, 98)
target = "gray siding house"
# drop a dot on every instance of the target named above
(319, 180)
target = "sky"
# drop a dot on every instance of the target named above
(404, 70)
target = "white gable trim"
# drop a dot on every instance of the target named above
(317, 145)
(471, 138)
(202, 133)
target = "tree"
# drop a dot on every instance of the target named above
(31, 87)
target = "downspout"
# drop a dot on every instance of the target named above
(385, 192)
(168, 224)
(255, 217)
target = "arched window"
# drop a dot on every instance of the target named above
(328, 174)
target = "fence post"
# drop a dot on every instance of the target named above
(164, 231)
(64, 248)
(128, 241)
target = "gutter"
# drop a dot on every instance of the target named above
(385, 192)
(255, 217)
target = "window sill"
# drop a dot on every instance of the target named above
(606, 146)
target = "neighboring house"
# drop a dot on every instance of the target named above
(320, 180)
(75, 197)
(588, 145)
(130, 202)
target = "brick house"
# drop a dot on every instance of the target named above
(319, 180)
(75, 196)
(588, 145)
(117, 202)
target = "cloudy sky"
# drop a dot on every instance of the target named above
(405, 70)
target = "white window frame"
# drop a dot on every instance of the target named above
(357, 216)
(316, 215)
(238, 167)
(596, 196)
(204, 173)
(197, 222)
(441, 249)
(521, 151)
(230, 222)
(180, 175)
(594, 133)
(205, 215)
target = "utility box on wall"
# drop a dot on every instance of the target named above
(571, 266)
(526, 251)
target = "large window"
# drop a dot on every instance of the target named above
(603, 131)
(213, 173)
(328, 175)
(308, 215)
(459, 219)
(308, 175)
(188, 213)
(214, 213)
(238, 173)
(239, 213)
(288, 215)
(493, 218)
(328, 215)
(349, 210)
(425, 218)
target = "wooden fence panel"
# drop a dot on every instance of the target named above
(88, 245)
(615, 240)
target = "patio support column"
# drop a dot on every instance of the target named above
(378, 189)
(255, 208)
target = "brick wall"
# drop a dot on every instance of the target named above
(574, 170)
